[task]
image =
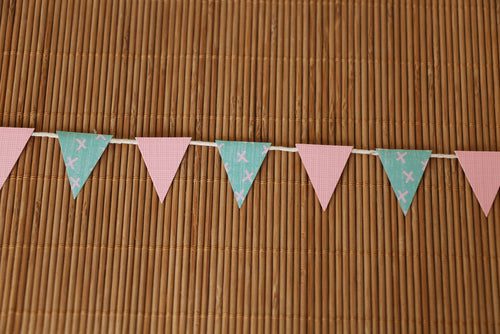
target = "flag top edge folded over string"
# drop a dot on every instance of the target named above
(242, 161)
(81, 152)
(324, 165)
(162, 156)
(12, 143)
(405, 169)
(482, 169)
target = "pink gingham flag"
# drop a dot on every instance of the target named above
(482, 170)
(324, 165)
(12, 143)
(162, 157)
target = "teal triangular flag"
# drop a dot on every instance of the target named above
(242, 161)
(404, 169)
(81, 151)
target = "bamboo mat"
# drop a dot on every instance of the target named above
(391, 74)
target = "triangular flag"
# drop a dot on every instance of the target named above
(162, 157)
(405, 169)
(483, 173)
(324, 165)
(242, 161)
(12, 143)
(81, 151)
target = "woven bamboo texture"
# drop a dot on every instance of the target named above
(391, 74)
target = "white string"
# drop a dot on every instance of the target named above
(212, 144)
(443, 156)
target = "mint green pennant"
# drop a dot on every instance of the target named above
(81, 151)
(242, 161)
(405, 169)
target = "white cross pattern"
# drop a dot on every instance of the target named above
(239, 195)
(408, 176)
(424, 164)
(242, 156)
(402, 196)
(248, 177)
(82, 144)
(401, 157)
(75, 183)
(71, 162)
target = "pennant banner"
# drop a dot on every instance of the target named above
(162, 157)
(81, 151)
(12, 143)
(482, 170)
(242, 161)
(324, 165)
(405, 169)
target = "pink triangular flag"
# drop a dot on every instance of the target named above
(12, 143)
(482, 170)
(324, 165)
(162, 157)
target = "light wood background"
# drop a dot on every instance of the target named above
(371, 73)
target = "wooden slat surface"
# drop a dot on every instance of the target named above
(372, 73)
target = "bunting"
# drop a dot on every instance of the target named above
(405, 169)
(12, 143)
(162, 157)
(242, 161)
(482, 170)
(324, 165)
(81, 151)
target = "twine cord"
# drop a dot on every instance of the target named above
(212, 144)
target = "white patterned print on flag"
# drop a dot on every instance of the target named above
(242, 161)
(404, 169)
